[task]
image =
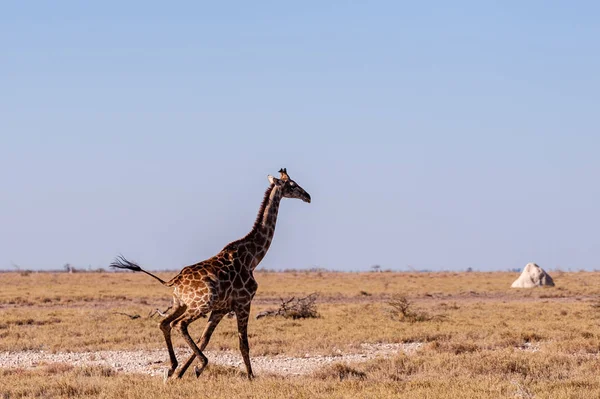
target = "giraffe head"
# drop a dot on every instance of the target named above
(290, 188)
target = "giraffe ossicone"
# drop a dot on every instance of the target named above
(223, 283)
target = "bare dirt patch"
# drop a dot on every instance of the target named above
(153, 362)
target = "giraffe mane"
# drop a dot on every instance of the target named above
(258, 220)
(262, 208)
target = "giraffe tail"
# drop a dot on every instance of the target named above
(121, 263)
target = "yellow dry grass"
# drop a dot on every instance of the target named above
(478, 338)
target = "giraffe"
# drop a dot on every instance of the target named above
(223, 283)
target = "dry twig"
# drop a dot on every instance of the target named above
(301, 308)
(131, 316)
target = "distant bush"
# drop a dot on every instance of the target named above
(404, 310)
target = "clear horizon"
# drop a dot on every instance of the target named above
(440, 137)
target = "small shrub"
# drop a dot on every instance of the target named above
(404, 310)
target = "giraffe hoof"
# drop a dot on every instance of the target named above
(197, 371)
(167, 375)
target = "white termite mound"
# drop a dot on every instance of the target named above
(533, 276)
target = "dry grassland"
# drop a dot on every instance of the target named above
(481, 339)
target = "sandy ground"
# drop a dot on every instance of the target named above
(156, 361)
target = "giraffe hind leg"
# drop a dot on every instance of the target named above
(213, 321)
(183, 327)
(165, 326)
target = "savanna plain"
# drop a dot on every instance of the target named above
(469, 335)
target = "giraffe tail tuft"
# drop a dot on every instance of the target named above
(121, 263)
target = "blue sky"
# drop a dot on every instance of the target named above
(440, 135)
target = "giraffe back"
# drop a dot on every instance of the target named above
(219, 283)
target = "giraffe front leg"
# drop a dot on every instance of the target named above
(242, 322)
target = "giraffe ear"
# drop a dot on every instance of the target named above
(274, 180)
(284, 176)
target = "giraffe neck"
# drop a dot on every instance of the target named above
(254, 246)
(267, 216)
